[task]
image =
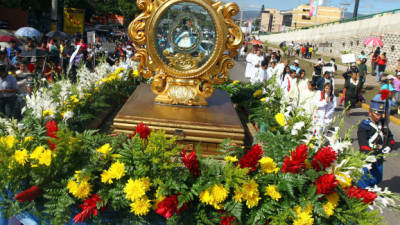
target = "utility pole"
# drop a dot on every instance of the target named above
(54, 18)
(241, 17)
(356, 4)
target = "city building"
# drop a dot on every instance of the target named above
(271, 20)
(301, 16)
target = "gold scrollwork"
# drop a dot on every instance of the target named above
(184, 80)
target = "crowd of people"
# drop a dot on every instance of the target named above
(21, 67)
(316, 94)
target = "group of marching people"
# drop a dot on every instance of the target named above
(315, 96)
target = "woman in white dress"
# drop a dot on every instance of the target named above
(325, 104)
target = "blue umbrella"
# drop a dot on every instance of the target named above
(27, 32)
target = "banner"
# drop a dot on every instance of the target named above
(313, 8)
(74, 20)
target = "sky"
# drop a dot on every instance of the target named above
(366, 6)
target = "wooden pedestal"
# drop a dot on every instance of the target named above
(207, 126)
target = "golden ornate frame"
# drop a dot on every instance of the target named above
(193, 86)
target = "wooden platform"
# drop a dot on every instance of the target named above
(208, 126)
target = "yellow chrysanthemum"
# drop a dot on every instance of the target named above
(231, 159)
(141, 206)
(262, 100)
(250, 193)
(238, 197)
(250, 188)
(45, 158)
(304, 217)
(236, 82)
(21, 156)
(106, 177)
(117, 170)
(252, 201)
(344, 180)
(271, 191)
(105, 149)
(135, 73)
(329, 209)
(80, 190)
(280, 119)
(257, 93)
(9, 141)
(135, 189)
(333, 198)
(42, 155)
(268, 165)
(206, 197)
(47, 112)
(219, 193)
(28, 139)
(37, 152)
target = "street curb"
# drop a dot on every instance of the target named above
(392, 118)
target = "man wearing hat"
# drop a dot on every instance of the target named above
(374, 137)
(8, 91)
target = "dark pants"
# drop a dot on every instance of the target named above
(7, 106)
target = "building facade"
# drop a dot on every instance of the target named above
(271, 20)
(325, 14)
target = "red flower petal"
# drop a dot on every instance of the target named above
(385, 94)
(89, 208)
(324, 157)
(251, 158)
(326, 184)
(296, 162)
(191, 162)
(29, 194)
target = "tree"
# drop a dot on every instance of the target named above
(125, 8)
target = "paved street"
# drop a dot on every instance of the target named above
(391, 167)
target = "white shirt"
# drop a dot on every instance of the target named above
(249, 67)
(325, 109)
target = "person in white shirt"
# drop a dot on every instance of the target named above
(307, 98)
(250, 67)
(256, 61)
(281, 67)
(288, 85)
(272, 71)
(282, 78)
(302, 82)
(325, 104)
(261, 75)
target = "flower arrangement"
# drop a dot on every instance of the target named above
(61, 174)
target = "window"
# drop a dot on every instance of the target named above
(306, 10)
(306, 17)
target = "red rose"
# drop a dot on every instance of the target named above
(191, 162)
(324, 158)
(89, 208)
(169, 206)
(326, 184)
(296, 162)
(251, 158)
(142, 130)
(52, 128)
(29, 194)
(362, 194)
(227, 220)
